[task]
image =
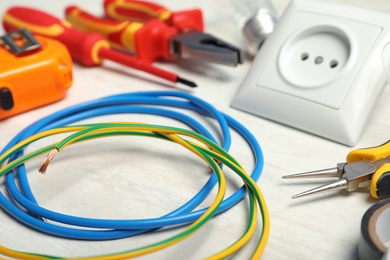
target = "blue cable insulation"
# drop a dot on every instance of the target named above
(89, 105)
(13, 189)
(66, 219)
(107, 111)
(183, 214)
(131, 98)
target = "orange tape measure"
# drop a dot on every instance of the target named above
(34, 71)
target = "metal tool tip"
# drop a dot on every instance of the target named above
(302, 194)
(297, 196)
(297, 175)
(186, 82)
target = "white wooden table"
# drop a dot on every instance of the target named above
(321, 227)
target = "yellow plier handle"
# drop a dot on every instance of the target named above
(380, 180)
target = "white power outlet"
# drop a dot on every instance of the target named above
(314, 57)
(320, 70)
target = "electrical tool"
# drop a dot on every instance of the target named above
(90, 49)
(362, 167)
(34, 71)
(152, 32)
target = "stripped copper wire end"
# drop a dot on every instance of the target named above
(43, 168)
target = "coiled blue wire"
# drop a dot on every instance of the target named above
(104, 229)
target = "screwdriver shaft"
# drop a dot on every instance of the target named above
(129, 61)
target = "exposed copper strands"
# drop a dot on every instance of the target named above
(43, 167)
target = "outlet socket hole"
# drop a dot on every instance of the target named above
(304, 56)
(333, 64)
(318, 60)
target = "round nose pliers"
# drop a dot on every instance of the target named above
(363, 166)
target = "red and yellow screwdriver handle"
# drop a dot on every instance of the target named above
(147, 41)
(41, 23)
(88, 48)
(143, 11)
(380, 181)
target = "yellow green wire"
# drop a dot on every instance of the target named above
(209, 151)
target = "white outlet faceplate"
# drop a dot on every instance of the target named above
(320, 70)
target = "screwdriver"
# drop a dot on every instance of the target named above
(89, 49)
(148, 42)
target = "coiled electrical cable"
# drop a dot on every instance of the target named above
(210, 153)
(124, 103)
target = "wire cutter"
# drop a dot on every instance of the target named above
(152, 32)
(364, 166)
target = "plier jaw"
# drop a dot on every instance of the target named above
(352, 176)
(197, 45)
(189, 41)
